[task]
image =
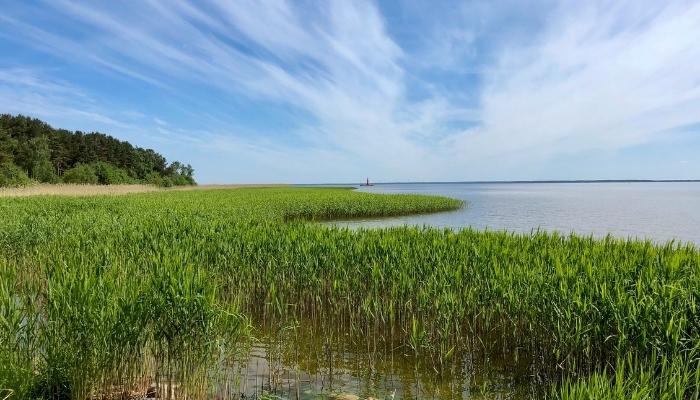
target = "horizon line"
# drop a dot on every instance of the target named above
(513, 181)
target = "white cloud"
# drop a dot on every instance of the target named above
(27, 91)
(597, 76)
(603, 78)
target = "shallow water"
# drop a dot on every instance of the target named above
(660, 211)
(322, 359)
(312, 361)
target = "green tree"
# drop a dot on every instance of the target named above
(46, 153)
(82, 174)
(108, 174)
(60, 151)
(188, 173)
(154, 178)
(7, 146)
(42, 168)
(12, 175)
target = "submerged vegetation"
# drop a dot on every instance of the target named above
(104, 297)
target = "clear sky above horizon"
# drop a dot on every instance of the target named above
(335, 91)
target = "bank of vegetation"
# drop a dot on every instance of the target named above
(102, 295)
(32, 151)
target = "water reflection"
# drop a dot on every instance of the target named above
(321, 358)
(303, 361)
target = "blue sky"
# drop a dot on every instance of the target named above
(334, 91)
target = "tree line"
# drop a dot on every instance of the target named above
(31, 150)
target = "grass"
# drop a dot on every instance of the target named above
(104, 295)
(66, 189)
(73, 190)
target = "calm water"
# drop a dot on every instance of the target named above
(321, 358)
(660, 211)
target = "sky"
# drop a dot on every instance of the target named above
(336, 91)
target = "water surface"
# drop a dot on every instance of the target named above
(321, 357)
(660, 211)
(324, 359)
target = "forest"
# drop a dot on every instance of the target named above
(32, 151)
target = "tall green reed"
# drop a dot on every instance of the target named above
(104, 294)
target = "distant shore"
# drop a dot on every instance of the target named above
(510, 182)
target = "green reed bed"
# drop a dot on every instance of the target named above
(103, 296)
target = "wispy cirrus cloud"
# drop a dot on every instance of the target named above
(601, 78)
(25, 90)
(290, 91)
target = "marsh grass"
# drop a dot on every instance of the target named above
(83, 190)
(102, 294)
(74, 190)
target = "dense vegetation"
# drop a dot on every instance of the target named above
(99, 293)
(32, 150)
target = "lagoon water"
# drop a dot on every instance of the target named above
(660, 211)
(324, 359)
